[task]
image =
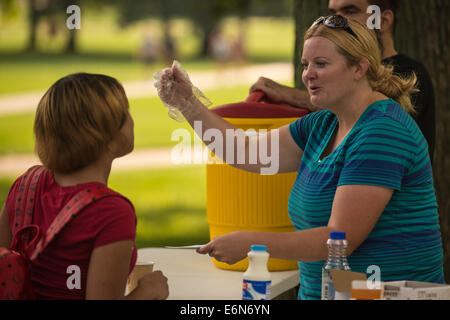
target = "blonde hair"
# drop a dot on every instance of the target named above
(381, 78)
(77, 118)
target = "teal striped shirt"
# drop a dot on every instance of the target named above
(384, 148)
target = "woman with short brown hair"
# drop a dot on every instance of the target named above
(82, 124)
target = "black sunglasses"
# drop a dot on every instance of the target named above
(335, 22)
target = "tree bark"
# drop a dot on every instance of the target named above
(305, 13)
(423, 33)
(71, 46)
(33, 19)
(430, 45)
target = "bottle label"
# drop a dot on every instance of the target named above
(328, 291)
(255, 290)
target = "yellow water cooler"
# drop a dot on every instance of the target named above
(238, 200)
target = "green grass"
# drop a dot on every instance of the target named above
(169, 204)
(16, 133)
(153, 127)
(103, 47)
(37, 71)
(5, 184)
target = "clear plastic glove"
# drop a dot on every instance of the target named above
(177, 92)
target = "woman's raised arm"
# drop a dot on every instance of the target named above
(269, 152)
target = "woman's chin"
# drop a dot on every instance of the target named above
(317, 102)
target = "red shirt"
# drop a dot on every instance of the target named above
(105, 221)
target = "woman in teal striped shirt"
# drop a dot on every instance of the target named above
(362, 162)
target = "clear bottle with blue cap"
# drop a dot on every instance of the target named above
(337, 260)
(257, 280)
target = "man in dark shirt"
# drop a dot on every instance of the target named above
(422, 100)
(403, 65)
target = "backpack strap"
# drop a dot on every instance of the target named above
(23, 210)
(78, 202)
(22, 230)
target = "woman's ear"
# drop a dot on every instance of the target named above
(361, 68)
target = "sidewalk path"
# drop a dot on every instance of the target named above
(13, 165)
(204, 80)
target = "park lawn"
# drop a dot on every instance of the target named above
(38, 71)
(153, 128)
(170, 204)
(16, 133)
(103, 47)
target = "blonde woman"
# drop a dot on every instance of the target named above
(362, 162)
(82, 124)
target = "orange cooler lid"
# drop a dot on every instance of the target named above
(258, 106)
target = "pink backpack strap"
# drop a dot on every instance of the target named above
(23, 208)
(81, 200)
(25, 197)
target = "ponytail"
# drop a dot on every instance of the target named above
(395, 87)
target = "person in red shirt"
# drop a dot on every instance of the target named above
(82, 124)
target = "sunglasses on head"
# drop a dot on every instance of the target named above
(335, 22)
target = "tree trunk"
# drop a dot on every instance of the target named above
(71, 42)
(33, 19)
(422, 33)
(305, 13)
(71, 46)
(206, 30)
(424, 30)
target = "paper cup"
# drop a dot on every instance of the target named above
(140, 269)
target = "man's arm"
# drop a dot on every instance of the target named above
(278, 93)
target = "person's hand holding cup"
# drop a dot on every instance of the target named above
(146, 284)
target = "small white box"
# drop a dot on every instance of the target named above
(415, 290)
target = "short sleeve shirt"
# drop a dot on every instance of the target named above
(384, 148)
(104, 221)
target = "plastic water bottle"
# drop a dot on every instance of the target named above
(337, 259)
(256, 281)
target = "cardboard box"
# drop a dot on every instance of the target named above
(415, 290)
(391, 290)
(360, 291)
(342, 280)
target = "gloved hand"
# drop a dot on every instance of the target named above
(177, 92)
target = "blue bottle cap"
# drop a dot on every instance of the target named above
(337, 235)
(258, 247)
